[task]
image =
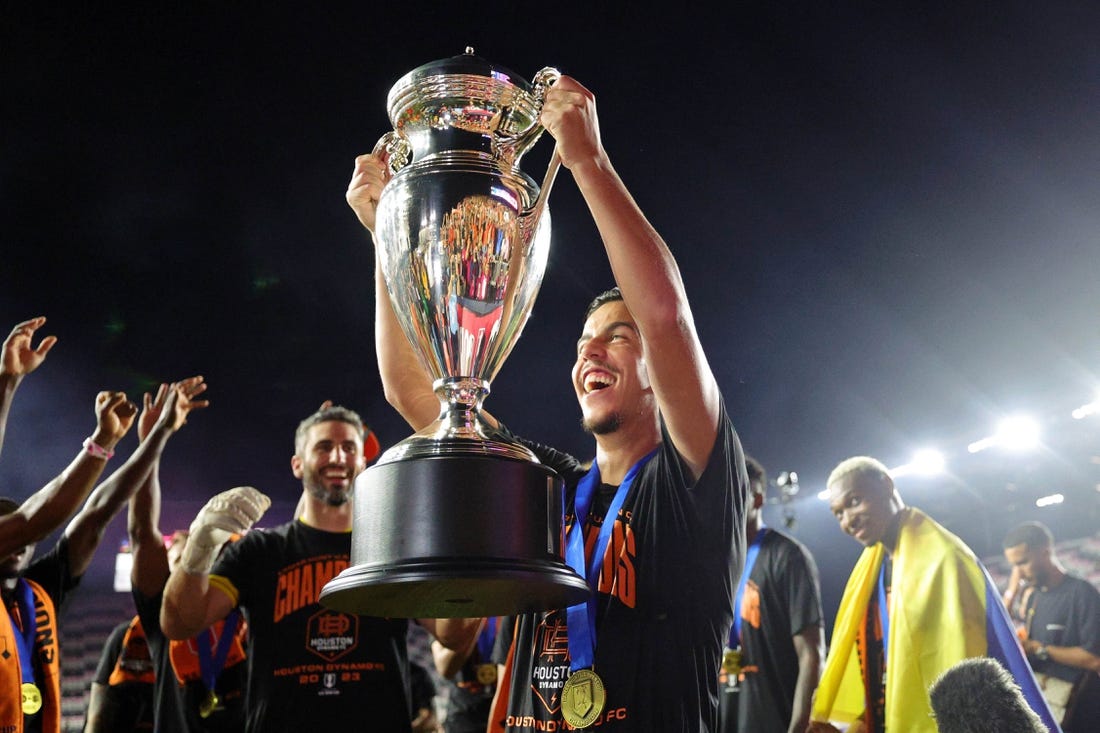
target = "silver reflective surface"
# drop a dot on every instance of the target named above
(462, 267)
(463, 235)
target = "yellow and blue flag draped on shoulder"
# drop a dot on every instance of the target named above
(943, 608)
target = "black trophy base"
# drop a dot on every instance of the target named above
(456, 536)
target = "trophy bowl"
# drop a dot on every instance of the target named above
(460, 520)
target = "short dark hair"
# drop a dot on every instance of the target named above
(8, 505)
(1032, 534)
(757, 475)
(326, 414)
(603, 298)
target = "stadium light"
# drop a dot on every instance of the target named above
(1051, 500)
(926, 462)
(1016, 433)
(1085, 410)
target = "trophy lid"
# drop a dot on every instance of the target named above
(465, 103)
(467, 63)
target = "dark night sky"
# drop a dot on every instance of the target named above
(886, 219)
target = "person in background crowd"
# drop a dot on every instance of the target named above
(777, 641)
(200, 682)
(471, 676)
(33, 591)
(917, 602)
(1061, 627)
(310, 666)
(121, 696)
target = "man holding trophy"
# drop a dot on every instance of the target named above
(656, 522)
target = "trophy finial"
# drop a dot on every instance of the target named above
(469, 50)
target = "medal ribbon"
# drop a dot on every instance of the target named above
(883, 611)
(211, 667)
(24, 640)
(581, 618)
(750, 560)
(486, 638)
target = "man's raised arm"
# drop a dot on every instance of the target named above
(407, 386)
(191, 604)
(150, 568)
(49, 507)
(645, 272)
(85, 531)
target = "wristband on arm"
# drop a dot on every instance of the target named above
(95, 450)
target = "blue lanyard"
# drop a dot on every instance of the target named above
(581, 618)
(883, 610)
(486, 638)
(24, 639)
(209, 667)
(750, 561)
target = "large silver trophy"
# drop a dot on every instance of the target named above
(458, 519)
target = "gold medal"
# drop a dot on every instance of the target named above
(209, 704)
(731, 662)
(486, 673)
(582, 698)
(32, 698)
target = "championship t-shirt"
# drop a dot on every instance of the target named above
(309, 664)
(782, 598)
(664, 598)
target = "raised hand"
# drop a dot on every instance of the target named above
(114, 416)
(370, 175)
(569, 115)
(230, 512)
(19, 357)
(151, 408)
(179, 396)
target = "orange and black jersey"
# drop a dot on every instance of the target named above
(664, 595)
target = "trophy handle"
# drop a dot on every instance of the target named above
(544, 79)
(510, 146)
(397, 149)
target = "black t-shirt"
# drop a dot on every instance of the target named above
(112, 648)
(782, 598)
(665, 598)
(309, 664)
(1068, 615)
(128, 704)
(177, 704)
